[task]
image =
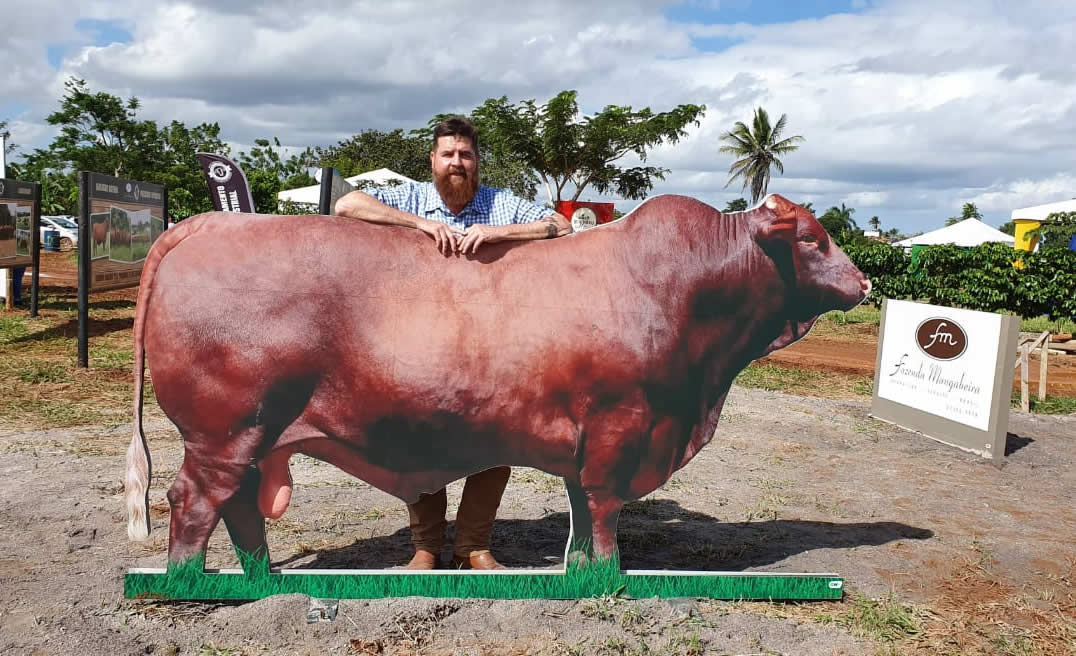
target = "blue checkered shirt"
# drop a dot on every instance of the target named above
(490, 205)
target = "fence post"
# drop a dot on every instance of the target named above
(1042, 367)
(1025, 403)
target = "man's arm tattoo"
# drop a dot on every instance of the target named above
(550, 227)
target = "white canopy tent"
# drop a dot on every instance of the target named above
(1040, 212)
(967, 233)
(312, 195)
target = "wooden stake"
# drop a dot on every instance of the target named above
(1025, 403)
(1042, 367)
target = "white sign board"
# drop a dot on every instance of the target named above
(946, 372)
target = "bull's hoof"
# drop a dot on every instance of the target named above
(483, 560)
(577, 559)
(423, 560)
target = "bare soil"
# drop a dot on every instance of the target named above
(941, 551)
(850, 353)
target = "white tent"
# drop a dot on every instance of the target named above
(1040, 212)
(312, 195)
(969, 232)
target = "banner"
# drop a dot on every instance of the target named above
(228, 188)
(121, 219)
(333, 188)
(19, 219)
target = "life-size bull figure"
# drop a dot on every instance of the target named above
(603, 357)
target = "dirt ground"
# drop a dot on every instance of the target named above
(941, 551)
(979, 557)
(857, 356)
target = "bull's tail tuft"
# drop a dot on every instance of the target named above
(136, 485)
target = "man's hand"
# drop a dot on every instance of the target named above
(475, 236)
(447, 239)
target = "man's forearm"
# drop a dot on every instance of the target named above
(357, 205)
(552, 226)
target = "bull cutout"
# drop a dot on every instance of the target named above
(603, 357)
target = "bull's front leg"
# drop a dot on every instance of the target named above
(614, 444)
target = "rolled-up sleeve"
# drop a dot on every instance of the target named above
(523, 210)
(400, 197)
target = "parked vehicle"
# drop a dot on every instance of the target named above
(67, 228)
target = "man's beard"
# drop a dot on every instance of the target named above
(456, 189)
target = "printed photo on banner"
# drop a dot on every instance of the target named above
(100, 226)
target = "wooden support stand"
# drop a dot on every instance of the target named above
(1027, 345)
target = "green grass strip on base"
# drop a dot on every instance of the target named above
(190, 582)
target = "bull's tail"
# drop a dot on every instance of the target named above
(139, 468)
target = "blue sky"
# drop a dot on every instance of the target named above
(95, 32)
(909, 108)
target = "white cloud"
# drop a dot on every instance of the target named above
(908, 109)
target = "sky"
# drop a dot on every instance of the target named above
(909, 108)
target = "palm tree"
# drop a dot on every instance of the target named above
(839, 223)
(876, 223)
(757, 148)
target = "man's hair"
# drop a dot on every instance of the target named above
(455, 126)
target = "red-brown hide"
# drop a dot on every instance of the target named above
(603, 357)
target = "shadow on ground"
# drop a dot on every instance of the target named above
(654, 534)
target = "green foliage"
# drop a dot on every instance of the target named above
(886, 266)
(738, 205)
(370, 150)
(100, 132)
(987, 278)
(757, 149)
(528, 143)
(268, 173)
(1057, 230)
(840, 225)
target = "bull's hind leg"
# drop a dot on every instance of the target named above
(203, 492)
(245, 522)
(581, 537)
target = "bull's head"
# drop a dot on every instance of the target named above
(818, 276)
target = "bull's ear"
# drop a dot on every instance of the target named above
(777, 220)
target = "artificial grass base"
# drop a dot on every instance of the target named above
(190, 581)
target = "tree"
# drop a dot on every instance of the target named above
(1009, 228)
(876, 224)
(101, 133)
(757, 148)
(840, 225)
(9, 146)
(268, 173)
(550, 144)
(969, 211)
(738, 205)
(369, 150)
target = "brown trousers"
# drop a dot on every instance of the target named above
(474, 519)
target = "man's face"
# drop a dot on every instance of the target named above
(455, 170)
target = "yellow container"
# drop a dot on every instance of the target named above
(1023, 241)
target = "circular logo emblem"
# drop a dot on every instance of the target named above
(941, 339)
(1, 187)
(220, 172)
(584, 218)
(128, 187)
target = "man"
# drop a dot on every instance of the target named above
(460, 215)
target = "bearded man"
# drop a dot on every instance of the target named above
(460, 215)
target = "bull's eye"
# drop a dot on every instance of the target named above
(809, 238)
